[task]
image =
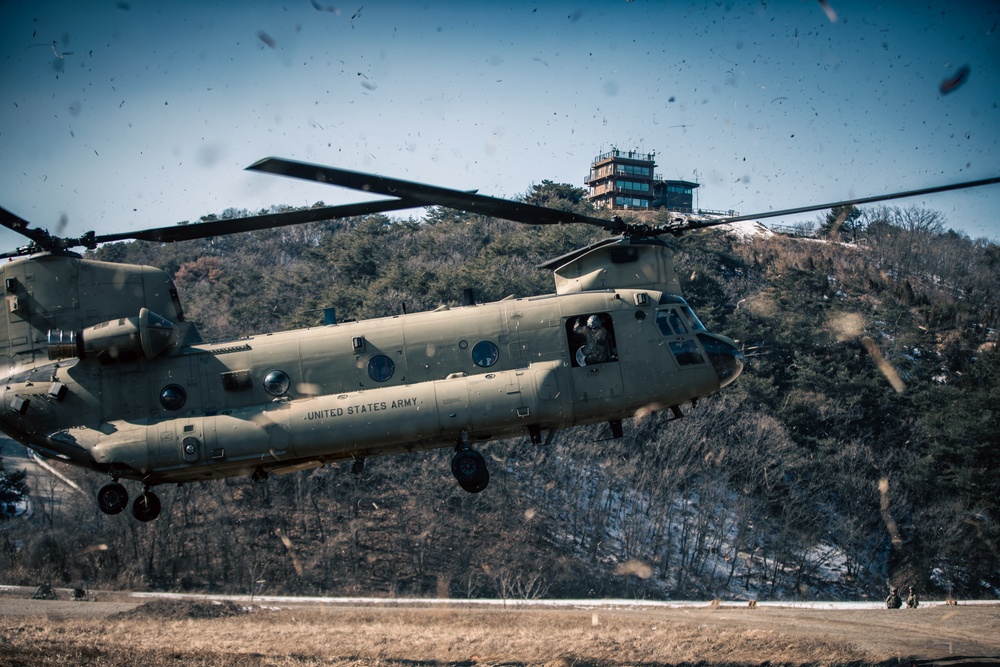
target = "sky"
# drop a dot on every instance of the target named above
(117, 116)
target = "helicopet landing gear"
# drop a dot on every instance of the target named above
(112, 498)
(146, 506)
(469, 467)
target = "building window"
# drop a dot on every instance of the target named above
(635, 186)
(633, 170)
(632, 202)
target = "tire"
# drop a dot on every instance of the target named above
(476, 486)
(146, 507)
(470, 470)
(112, 498)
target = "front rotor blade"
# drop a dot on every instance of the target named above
(40, 237)
(428, 194)
(203, 230)
(701, 224)
(13, 253)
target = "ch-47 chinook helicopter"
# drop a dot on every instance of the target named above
(102, 370)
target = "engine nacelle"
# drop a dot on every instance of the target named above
(124, 339)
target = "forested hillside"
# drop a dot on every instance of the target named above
(858, 449)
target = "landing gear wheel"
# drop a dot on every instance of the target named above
(146, 507)
(112, 498)
(469, 469)
(358, 466)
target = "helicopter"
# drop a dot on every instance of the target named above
(103, 371)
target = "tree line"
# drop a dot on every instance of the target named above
(858, 450)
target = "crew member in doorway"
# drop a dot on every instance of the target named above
(597, 348)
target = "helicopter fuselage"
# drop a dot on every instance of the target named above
(108, 375)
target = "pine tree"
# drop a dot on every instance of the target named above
(13, 488)
(841, 223)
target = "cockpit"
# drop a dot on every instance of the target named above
(690, 343)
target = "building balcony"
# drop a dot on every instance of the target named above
(616, 154)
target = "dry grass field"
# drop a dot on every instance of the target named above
(160, 633)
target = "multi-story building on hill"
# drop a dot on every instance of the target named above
(628, 180)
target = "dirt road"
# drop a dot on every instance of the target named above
(932, 634)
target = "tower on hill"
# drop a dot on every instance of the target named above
(627, 180)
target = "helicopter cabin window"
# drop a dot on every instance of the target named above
(591, 339)
(173, 396)
(485, 353)
(381, 368)
(276, 383)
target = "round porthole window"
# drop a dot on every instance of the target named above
(276, 383)
(485, 353)
(173, 396)
(380, 368)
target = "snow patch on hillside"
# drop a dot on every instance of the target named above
(747, 229)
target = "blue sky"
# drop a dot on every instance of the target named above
(153, 109)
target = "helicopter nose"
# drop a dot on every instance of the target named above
(726, 358)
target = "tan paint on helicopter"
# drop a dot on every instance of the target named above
(109, 415)
(651, 269)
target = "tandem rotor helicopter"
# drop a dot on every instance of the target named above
(101, 369)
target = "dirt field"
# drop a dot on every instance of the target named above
(172, 632)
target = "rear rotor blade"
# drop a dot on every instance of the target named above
(203, 230)
(429, 195)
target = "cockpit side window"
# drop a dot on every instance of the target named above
(686, 352)
(591, 339)
(670, 323)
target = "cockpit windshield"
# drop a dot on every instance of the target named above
(692, 319)
(669, 321)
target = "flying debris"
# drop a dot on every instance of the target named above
(55, 49)
(952, 83)
(321, 8)
(56, 53)
(266, 38)
(828, 10)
